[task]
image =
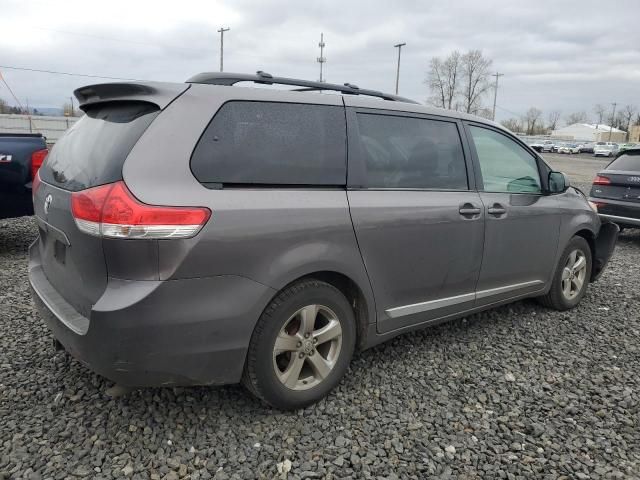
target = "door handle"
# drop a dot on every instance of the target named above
(496, 209)
(469, 210)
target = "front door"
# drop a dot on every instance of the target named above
(419, 225)
(522, 224)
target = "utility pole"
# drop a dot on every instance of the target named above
(72, 112)
(399, 47)
(221, 32)
(613, 116)
(495, 94)
(321, 58)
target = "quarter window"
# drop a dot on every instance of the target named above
(409, 152)
(505, 165)
(272, 143)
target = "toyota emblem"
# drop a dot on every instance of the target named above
(47, 203)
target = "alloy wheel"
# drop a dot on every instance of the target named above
(307, 347)
(574, 274)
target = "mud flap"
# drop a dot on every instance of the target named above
(604, 246)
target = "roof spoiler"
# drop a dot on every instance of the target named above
(158, 93)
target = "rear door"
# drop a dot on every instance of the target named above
(522, 223)
(418, 221)
(91, 153)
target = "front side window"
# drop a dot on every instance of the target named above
(505, 165)
(272, 143)
(408, 152)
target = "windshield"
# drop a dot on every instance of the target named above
(626, 162)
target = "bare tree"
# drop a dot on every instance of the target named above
(576, 117)
(475, 74)
(600, 111)
(4, 108)
(531, 118)
(554, 117)
(512, 124)
(627, 115)
(443, 80)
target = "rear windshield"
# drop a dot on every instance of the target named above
(268, 143)
(626, 162)
(92, 152)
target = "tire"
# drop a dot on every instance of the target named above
(558, 297)
(305, 369)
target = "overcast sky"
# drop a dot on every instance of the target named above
(566, 55)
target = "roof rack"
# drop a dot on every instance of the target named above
(221, 78)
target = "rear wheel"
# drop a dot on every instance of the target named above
(301, 346)
(571, 277)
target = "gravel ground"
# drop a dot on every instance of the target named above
(516, 392)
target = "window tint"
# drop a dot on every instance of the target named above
(92, 152)
(404, 152)
(626, 162)
(505, 165)
(273, 143)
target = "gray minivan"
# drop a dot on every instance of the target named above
(205, 233)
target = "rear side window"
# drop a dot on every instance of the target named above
(268, 143)
(92, 152)
(626, 162)
(408, 152)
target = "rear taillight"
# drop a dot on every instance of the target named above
(112, 211)
(37, 158)
(602, 180)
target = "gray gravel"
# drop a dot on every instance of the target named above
(516, 392)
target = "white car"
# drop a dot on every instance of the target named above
(605, 150)
(547, 146)
(570, 148)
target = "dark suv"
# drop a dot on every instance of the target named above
(205, 233)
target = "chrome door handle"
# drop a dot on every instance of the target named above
(469, 210)
(496, 209)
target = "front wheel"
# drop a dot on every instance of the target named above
(571, 277)
(301, 346)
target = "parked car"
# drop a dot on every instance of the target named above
(569, 148)
(536, 145)
(616, 190)
(204, 234)
(548, 146)
(604, 150)
(586, 147)
(20, 157)
(627, 146)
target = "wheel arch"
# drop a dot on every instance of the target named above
(362, 305)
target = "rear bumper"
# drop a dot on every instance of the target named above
(618, 211)
(155, 333)
(15, 201)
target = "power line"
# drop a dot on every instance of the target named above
(11, 91)
(26, 69)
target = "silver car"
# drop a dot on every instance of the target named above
(205, 234)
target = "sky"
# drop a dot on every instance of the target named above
(565, 55)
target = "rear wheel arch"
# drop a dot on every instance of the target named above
(362, 306)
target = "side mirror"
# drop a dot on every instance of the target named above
(558, 182)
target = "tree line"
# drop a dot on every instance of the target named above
(460, 81)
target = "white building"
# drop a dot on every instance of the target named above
(590, 132)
